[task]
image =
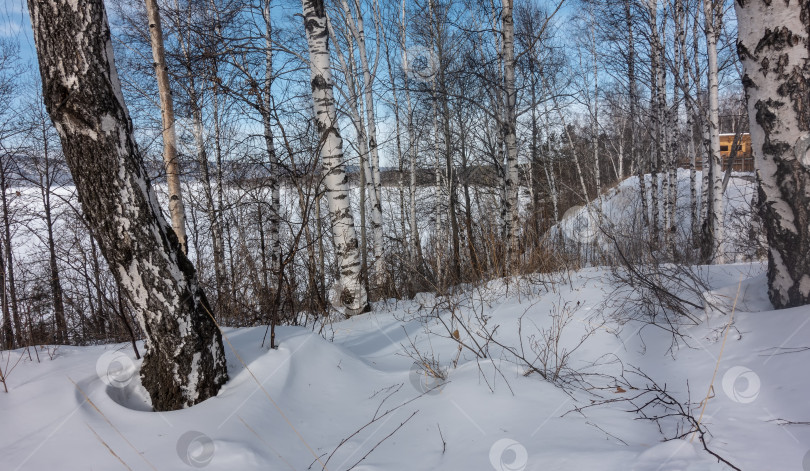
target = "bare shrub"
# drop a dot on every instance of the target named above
(650, 401)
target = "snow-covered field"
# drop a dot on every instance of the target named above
(317, 396)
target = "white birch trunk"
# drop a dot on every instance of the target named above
(665, 132)
(774, 46)
(716, 179)
(275, 187)
(355, 103)
(691, 111)
(356, 27)
(655, 109)
(176, 209)
(349, 294)
(635, 155)
(211, 209)
(701, 117)
(705, 151)
(674, 128)
(510, 134)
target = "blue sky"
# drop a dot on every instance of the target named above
(14, 24)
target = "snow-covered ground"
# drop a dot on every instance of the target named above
(618, 212)
(316, 396)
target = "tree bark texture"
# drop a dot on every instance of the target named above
(349, 295)
(510, 134)
(774, 46)
(185, 361)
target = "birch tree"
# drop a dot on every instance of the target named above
(185, 361)
(416, 243)
(8, 330)
(355, 25)
(510, 131)
(446, 171)
(176, 209)
(349, 293)
(189, 43)
(10, 71)
(266, 111)
(774, 46)
(355, 104)
(692, 113)
(632, 87)
(10, 292)
(713, 224)
(656, 105)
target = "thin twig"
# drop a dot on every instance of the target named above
(377, 416)
(383, 439)
(444, 443)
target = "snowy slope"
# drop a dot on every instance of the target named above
(619, 211)
(317, 390)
